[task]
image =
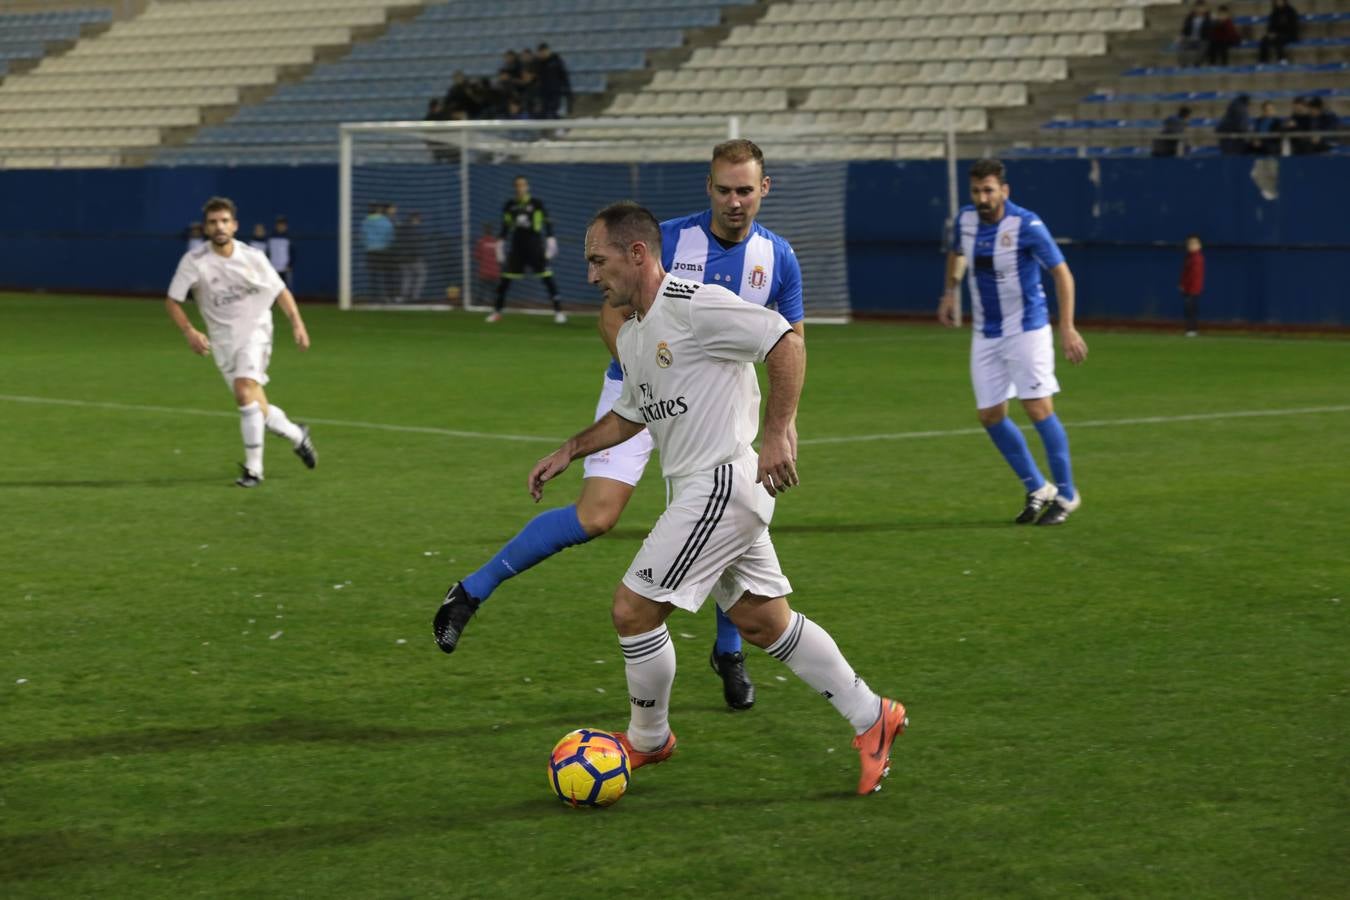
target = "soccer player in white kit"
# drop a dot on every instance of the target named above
(1004, 247)
(688, 357)
(724, 245)
(235, 287)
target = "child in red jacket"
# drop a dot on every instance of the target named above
(1192, 283)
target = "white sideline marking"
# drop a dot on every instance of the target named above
(375, 426)
(1091, 423)
(544, 439)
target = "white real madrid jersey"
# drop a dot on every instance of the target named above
(689, 374)
(234, 293)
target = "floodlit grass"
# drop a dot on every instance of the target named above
(209, 691)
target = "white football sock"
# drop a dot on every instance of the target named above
(277, 423)
(810, 652)
(251, 425)
(649, 663)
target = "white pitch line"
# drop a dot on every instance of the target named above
(342, 423)
(545, 439)
(1090, 423)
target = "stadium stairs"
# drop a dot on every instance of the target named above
(1114, 104)
(882, 78)
(393, 76)
(153, 78)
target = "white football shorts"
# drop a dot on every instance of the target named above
(624, 462)
(712, 540)
(1019, 365)
(244, 359)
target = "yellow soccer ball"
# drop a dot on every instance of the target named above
(588, 768)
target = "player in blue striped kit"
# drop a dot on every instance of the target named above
(722, 245)
(1002, 248)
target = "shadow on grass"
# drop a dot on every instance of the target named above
(54, 852)
(851, 528)
(277, 731)
(118, 482)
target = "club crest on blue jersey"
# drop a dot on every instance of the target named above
(663, 355)
(758, 277)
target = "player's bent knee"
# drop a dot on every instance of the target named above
(633, 613)
(992, 415)
(598, 519)
(1039, 408)
(760, 620)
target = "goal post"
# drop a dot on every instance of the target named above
(443, 185)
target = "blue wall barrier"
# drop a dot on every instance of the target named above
(1276, 238)
(1271, 258)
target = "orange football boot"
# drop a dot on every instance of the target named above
(874, 745)
(639, 758)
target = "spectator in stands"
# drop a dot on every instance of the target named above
(1236, 120)
(1300, 122)
(528, 94)
(279, 251)
(1192, 283)
(1324, 120)
(1194, 35)
(259, 239)
(410, 251)
(377, 237)
(460, 96)
(435, 110)
(528, 63)
(1281, 30)
(555, 85)
(1271, 123)
(1223, 36)
(1173, 125)
(503, 92)
(511, 64)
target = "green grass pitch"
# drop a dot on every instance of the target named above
(213, 692)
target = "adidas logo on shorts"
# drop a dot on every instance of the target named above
(645, 575)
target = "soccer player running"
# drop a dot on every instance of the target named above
(688, 357)
(235, 286)
(526, 226)
(723, 245)
(1003, 247)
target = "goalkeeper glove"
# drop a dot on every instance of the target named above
(501, 252)
(551, 248)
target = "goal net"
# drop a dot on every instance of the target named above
(441, 188)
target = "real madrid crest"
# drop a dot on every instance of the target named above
(663, 355)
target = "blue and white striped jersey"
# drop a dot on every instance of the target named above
(762, 269)
(1004, 261)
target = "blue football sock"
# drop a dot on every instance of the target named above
(546, 534)
(1056, 442)
(1007, 437)
(728, 635)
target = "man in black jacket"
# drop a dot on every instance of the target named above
(554, 83)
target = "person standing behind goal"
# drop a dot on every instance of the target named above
(235, 287)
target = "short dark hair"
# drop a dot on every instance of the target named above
(543, 45)
(216, 204)
(988, 168)
(1184, 112)
(627, 223)
(739, 151)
